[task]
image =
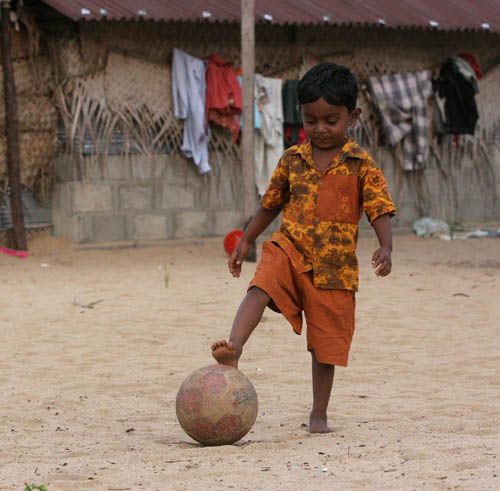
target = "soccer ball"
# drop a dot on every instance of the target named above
(216, 405)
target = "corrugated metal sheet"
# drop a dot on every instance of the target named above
(34, 214)
(441, 14)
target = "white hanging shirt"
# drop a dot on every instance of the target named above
(188, 93)
(269, 137)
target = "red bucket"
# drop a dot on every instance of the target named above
(231, 240)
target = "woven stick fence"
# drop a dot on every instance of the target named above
(37, 113)
(114, 77)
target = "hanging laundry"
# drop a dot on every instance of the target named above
(466, 70)
(472, 60)
(256, 113)
(268, 143)
(457, 86)
(439, 113)
(224, 97)
(402, 102)
(292, 117)
(188, 93)
(292, 135)
(291, 114)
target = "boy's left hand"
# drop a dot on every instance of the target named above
(381, 261)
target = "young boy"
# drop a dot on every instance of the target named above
(310, 265)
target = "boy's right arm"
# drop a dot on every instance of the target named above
(260, 222)
(274, 199)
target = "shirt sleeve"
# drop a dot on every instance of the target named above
(376, 198)
(278, 191)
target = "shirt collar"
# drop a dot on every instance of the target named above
(349, 149)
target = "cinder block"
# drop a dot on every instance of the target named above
(475, 210)
(108, 228)
(64, 168)
(136, 197)
(82, 228)
(149, 227)
(116, 167)
(191, 224)
(62, 224)
(141, 167)
(226, 192)
(91, 197)
(161, 164)
(182, 171)
(225, 221)
(91, 169)
(74, 227)
(62, 198)
(175, 196)
(218, 188)
(406, 215)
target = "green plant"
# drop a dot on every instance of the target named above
(35, 487)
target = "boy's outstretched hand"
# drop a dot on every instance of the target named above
(237, 258)
(261, 220)
(381, 261)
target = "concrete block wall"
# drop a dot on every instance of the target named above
(143, 198)
(474, 197)
(164, 197)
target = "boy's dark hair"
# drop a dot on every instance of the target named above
(334, 83)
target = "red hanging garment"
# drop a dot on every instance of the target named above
(223, 98)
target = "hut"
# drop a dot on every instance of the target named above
(101, 146)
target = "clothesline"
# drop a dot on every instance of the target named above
(210, 91)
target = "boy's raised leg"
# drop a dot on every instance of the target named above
(322, 381)
(248, 316)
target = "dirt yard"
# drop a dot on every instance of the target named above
(88, 394)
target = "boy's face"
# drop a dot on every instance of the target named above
(325, 124)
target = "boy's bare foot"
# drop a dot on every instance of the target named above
(225, 353)
(317, 424)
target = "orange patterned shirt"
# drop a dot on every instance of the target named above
(321, 211)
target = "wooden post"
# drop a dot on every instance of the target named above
(247, 137)
(11, 130)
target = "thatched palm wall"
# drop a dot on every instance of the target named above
(109, 78)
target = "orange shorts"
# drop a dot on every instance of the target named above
(329, 313)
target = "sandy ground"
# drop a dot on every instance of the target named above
(87, 396)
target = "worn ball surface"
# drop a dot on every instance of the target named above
(216, 405)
